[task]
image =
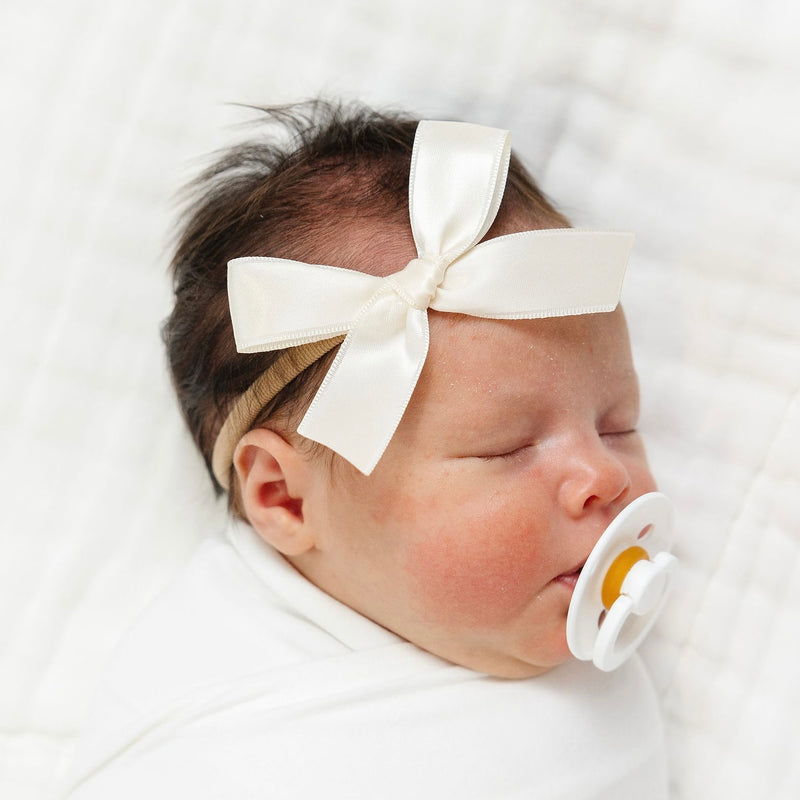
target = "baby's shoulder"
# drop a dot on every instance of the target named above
(215, 623)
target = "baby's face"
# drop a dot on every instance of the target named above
(517, 449)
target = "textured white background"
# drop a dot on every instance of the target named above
(678, 119)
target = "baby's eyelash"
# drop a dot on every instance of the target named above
(626, 432)
(517, 451)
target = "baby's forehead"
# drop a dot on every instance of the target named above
(507, 378)
(570, 335)
(476, 356)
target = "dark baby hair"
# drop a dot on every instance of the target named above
(289, 193)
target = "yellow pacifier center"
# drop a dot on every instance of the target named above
(617, 572)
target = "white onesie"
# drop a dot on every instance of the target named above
(244, 680)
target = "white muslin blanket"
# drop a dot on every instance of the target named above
(244, 680)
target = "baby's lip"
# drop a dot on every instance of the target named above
(576, 570)
(572, 574)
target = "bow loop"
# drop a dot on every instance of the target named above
(458, 174)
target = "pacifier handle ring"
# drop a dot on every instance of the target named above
(607, 656)
(609, 651)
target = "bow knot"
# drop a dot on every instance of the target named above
(418, 282)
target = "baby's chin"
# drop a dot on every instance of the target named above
(510, 667)
(521, 671)
(517, 670)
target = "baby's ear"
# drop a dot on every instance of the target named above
(272, 477)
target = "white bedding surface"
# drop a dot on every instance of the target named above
(677, 120)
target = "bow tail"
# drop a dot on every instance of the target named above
(362, 399)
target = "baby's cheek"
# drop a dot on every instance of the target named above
(476, 576)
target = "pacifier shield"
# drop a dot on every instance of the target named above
(622, 587)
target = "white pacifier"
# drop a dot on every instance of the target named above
(622, 587)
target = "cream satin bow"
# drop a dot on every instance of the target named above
(458, 175)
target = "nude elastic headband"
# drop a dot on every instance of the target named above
(457, 179)
(246, 409)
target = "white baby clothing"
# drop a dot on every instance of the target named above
(244, 681)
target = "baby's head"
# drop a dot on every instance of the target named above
(324, 184)
(515, 450)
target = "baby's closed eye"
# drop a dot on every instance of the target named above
(507, 453)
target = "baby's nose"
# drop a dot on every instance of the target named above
(595, 477)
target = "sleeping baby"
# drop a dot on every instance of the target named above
(423, 429)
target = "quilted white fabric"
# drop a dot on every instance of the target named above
(673, 118)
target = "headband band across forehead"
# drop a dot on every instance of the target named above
(456, 183)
